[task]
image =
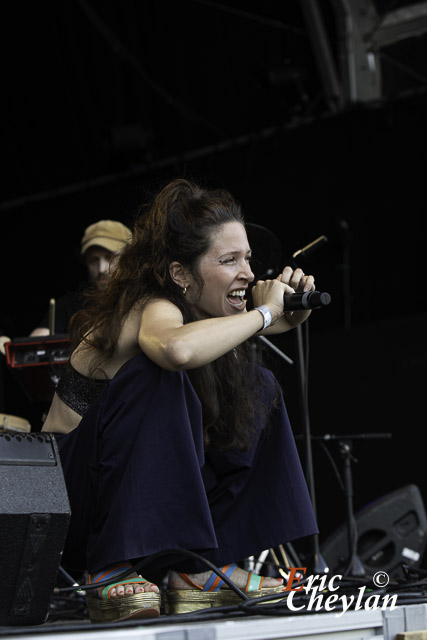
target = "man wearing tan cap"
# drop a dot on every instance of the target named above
(100, 242)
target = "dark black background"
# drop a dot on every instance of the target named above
(104, 101)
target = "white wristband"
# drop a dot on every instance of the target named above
(266, 314)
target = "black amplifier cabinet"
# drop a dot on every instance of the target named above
(391, 531)
(34, 518)
(37, 363)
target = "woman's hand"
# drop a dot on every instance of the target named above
(297, 280)
(272, 292)
(301, 283)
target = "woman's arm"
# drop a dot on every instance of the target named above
(173, 345)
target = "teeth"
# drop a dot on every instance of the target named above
(237, 293)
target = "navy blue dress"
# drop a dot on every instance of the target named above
(140, 482)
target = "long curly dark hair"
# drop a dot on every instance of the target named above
(177, 226)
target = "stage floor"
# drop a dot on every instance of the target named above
(350, 625)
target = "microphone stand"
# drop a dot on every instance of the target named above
(319, 563)
(354, 566)
(277, 351)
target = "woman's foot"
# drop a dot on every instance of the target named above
(119, 598)
(133, 583)
(239, 577)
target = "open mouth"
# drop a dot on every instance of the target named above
(237, 298)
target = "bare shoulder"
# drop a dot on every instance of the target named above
(159, 315)
(161, 307)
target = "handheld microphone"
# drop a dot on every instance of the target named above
(307, 300)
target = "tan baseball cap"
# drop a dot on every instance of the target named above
(109, 234)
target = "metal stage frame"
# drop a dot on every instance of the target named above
(386, 624)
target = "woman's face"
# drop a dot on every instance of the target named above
(226, 273)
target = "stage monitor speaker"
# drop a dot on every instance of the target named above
(34, 518)
(391, 531)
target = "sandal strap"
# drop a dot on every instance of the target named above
(254, 582)
(189, 581)
(111, 572)
(214, 582)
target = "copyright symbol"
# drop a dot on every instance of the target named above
(380, 579)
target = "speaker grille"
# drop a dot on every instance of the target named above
(34, 518)
(390, 532)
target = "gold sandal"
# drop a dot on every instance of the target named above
(103, 608)
(211, 595)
